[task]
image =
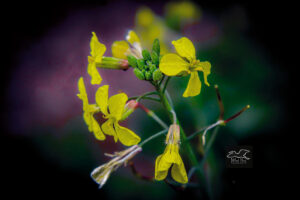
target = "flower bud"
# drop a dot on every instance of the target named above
(146, 55)
(152, 67)
(155, 58)
(138, 74)
(132, 61)
(148, 75)
(112, 63)
(129, 108)
(157, 75)
(141, 64)
(156, 47)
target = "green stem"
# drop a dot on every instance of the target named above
(166, 83)
(142, 96)
(153, 137)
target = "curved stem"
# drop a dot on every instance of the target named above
(166, 83)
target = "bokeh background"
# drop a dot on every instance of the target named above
(45, 144)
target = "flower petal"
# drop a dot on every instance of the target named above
(102, 98)
(97, 130)
(120, 49)
(185, 48)
(194, 86)
(178, 171)
(93, 72)
(126, 136)
(161, 169)
(97, 48)
(205, 68)
(82, 93)
(172, 65)
(116, 104)
(132, 38)
(108, 129)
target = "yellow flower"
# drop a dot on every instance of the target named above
(113, 110)
(121, 49)
(171, 156)
(97, 51)
(88, 111)
(102, 173)
(185, 63)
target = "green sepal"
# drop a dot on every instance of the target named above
(141, 64)
(148, 75)
(132, 61)
(156, 46)
(139, 74)
(146, 55)
(157, 75)
(155, 58)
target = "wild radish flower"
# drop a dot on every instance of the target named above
(185, 63)
(88, 111)
(102, 173)
(171, 158)
(98, 60)
(113, 110)
(121, 49)
(97, 51)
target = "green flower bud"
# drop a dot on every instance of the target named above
(152, 67)
(148, 75)
(157, 75)
(155, 58)
(138, 74)
(146, 55)
(156, 46)
(132, 61)
(141, 64)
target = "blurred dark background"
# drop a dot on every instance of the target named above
(27, 171)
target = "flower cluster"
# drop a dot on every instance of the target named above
(150, 66)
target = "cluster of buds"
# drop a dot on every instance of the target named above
(147, 68)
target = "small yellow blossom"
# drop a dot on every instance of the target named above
(88, 111)
(185, 63)
(171, 158)
(97, 51)
(183, 11)
(121, 49)
(113, 110)
(102, 173)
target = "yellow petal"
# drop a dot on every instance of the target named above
(108, 129)
(82, 93)
(96, 130)
(97, 48)
(178, 171)
(205, 68)
(120, 49)
(93, 72)
(102, 98)
(161, 169)
(88, 120)
(126, 136)
(172, 65)
(194, 86)
(185, 48)
(132, 38)
(116, 104)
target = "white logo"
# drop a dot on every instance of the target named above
(238, 158)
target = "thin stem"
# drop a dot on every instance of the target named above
(153, 137)
(195, 134)
(220, 102)
(165, 85)
(210, 127)
(142, 96)
(151, 114)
